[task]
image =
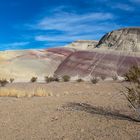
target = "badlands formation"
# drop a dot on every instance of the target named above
(113, 55)
(24, 64)
(69, 110)
(127, 39)
(83, 44)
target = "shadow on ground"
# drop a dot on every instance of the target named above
(99, 110)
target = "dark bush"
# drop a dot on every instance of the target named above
(115, 77)
(33, 79)
(11, 80)
(94, 80)
(51, 79)
(3, 82)
(79, 80)
(103, 77)
(66, 78)
(56, 79)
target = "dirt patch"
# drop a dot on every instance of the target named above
(75, 111)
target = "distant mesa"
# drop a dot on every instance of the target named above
(83, 44)
(126, 39)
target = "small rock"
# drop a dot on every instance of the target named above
(29, 95)
(54, 118)
(63, 138)
(57, 95)
(50, 94)
(66, 93)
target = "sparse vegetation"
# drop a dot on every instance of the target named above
(51, 79)
(115, 77)
(133, 75)
(132, 92)
(11, 80)
(56, 79)
(79, 80)
(94, 80)
(3, 82)
(33, 79)
(103, 77)
(48, 79)
(39, 92)
(66, 78)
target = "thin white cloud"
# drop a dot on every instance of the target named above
(74, 26)
(96, 32)
(61, 38)
(83, 32)
(15, 44)
(69, 21)
(124, 7)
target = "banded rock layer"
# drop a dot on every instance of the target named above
(22, 65)
(85, 63)
(83, 45)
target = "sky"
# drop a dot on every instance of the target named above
(37, 24)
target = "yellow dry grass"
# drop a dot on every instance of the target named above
(40, 92)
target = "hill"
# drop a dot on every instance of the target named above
(126, 39)
(113, 55)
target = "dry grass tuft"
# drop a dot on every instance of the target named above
(40, 92)
(12, 93)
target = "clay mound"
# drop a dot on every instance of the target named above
(83, 44)
(61, 51)
(22, 65)
(126, 39)
(85, 63)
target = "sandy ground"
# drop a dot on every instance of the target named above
(74, 111)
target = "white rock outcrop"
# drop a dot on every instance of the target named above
(83, 44)
(126, 39)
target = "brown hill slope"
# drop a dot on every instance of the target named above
(96, 63)
(115, 53)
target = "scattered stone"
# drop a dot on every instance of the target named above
(57, 95)
(82, 130)
(50, 94)
(54, 118)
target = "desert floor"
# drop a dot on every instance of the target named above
(71, 111)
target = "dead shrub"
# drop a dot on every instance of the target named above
(133, 75)
(132, 92)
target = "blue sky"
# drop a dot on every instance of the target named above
(31, 24)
